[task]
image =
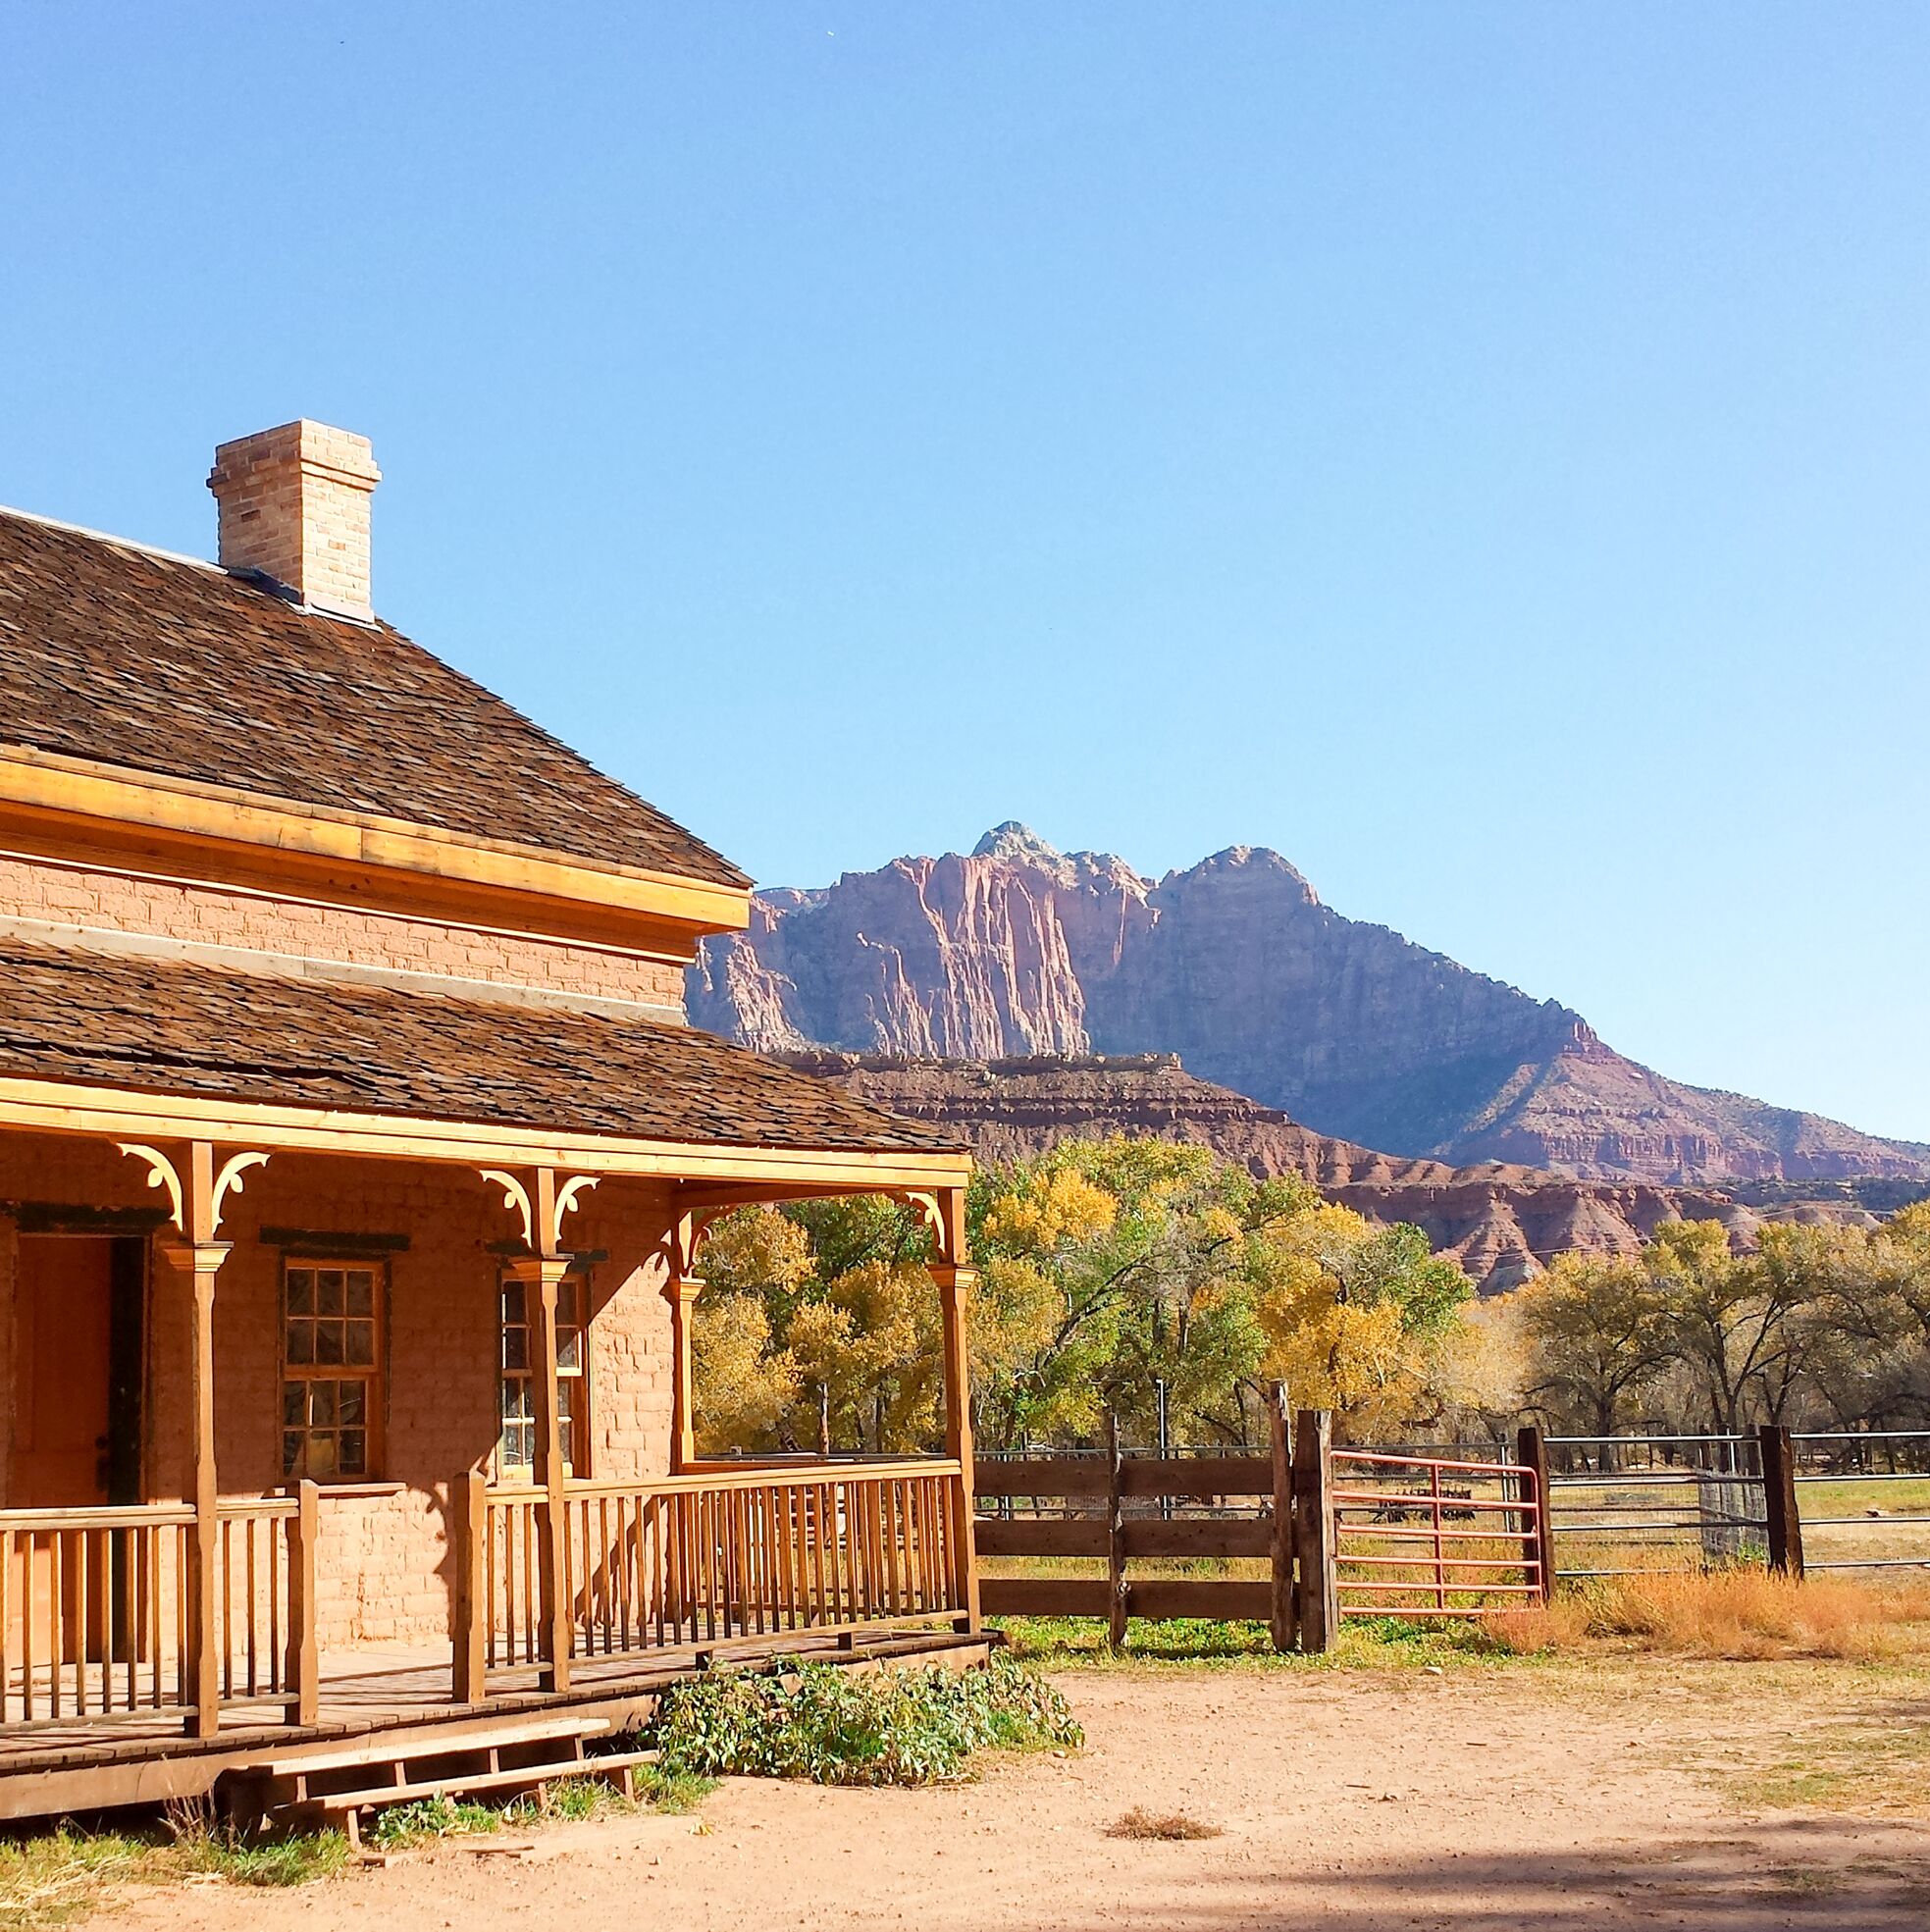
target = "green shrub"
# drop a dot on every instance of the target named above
(838, 1726)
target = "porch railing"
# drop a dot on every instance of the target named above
(710, 1557)
(96, 1610)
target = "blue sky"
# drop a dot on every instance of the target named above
(1478, 450)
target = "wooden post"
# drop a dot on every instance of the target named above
(681, 1293)
(1313, 1528)
(1532, 1452)
(956, 1283)
(205, 1257)
(469, 1524)
(305, 1659)
(1284, 1619)
(540, 1277)
(1782, 1515)
(1116, 1597)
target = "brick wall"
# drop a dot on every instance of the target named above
(383, 1570)
(121, 901)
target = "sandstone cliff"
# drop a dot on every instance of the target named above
(1236, 966)
(1501, 1223)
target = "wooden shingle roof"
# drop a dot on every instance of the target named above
(170, 1026)
(132, 659)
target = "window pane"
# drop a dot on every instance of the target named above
(352, 1403)
(328, 1291)
(566, 1293)
(569, 1353)
(512, 1301)
(301, 1343)
(292, 1453)
(301, 1291)
(320, 1403)
(515, 1350)
(353, 1459)
(321, 1458)
(294, 1405)
(361, 1292)
(361, 1343)
(328, 1341)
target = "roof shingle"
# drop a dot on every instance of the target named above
(127, 657)
(165, 1025)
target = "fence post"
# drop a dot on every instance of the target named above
(1532, 1452)
(304, 1673)
(1283, 1618)
(1782, 1515)
(469, 1526)
(1313, 1528)
(1115, 1534)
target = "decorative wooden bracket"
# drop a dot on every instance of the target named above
(566, 1199)
(685, 1238)
(550, 1204)
(515, 1195)
(163, 1172)
(925, 1207)
(228, 1181)
(942, 1214)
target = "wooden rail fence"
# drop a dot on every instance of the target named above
(97, 1609)
(1400, 1519)
(705, 1558)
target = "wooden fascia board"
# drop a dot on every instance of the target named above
(75, 788)
(60, 1107)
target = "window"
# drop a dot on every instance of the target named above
(516, 1447)
(330, 1398)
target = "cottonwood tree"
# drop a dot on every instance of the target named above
(1732, 1322)
(1600, 1330)
(1107, 1269)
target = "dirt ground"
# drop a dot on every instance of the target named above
(1472, 1801)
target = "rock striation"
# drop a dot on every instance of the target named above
(1236, 967)
(1501, 1223)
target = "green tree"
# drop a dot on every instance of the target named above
(1600, 1330)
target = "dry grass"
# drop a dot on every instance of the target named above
(1173, 1826)
(1747, 1614)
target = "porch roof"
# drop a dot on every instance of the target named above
(174, 1026)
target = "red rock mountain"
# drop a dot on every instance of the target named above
(1237, 967)
(1500, 1223)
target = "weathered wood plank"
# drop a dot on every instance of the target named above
(1216, 1598)
(1045, 1597)
(1198, 1476)
(1043, 1475)
(1041, 1536)
(1199, 1535)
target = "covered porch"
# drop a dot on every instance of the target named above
(325, 1422)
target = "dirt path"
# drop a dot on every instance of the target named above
(1347, 1801)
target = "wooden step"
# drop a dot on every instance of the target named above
(306, 1813)
(386, 1747)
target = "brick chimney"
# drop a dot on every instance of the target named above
(294, 503)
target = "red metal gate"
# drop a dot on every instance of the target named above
(1427, 1537)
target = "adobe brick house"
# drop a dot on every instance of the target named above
(354, 1161)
